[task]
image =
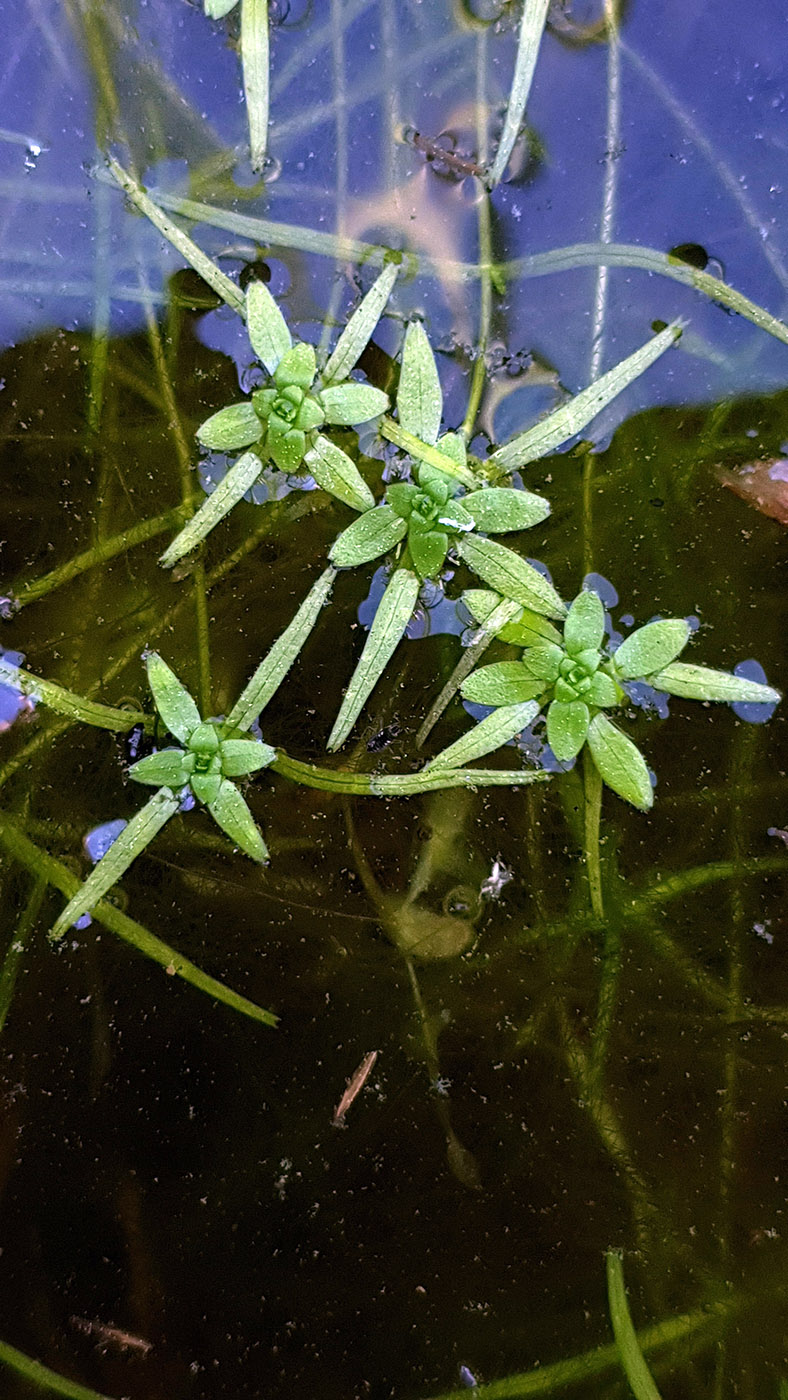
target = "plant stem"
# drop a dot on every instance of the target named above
(592, 808)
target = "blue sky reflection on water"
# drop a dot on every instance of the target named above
(701, 157)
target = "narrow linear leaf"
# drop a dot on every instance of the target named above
(338, 474)
(401, 784)
(704, 683)
(231, 428)
(231, 489)
(65, 702)
(230, 811)
(254, 59)
(268, 329)
(173, 701)
(633, 1363)
(510, 575)
(498, 509)
(185, 245)
(502, 683)
(133, 839)
(41, 864)
(585, 623)
(508, 620)
(351, 403)
(42, 1377)
(419, 396)
(530, 37)
(358, 331)
(392, 617)
(374, 533)
(651, 648)
(620, 763)
(277, 662)
(489, 734)
(575, 415)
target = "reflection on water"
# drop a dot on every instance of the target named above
(178, 1214)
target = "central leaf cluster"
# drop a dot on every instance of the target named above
(288, 412)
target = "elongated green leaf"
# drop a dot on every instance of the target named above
(217, 9)
(392, 617)
(242, 756)
(632, 1360)
(530, 37)
(620, 763)
(447, 462)
(604, 691)
(132, 840)
(65, 702)
(239, 479)
(172, 699)
(567, 728)
(168, 768)
(575, 415)
(374, 533)
(489, 734)
(276, 664)
(230, 811)
(651, 648)
(585, 623)
(353, 403)
(498, 509)
(41, 1377)
(510, 575)
(297, 367)
(515, 624)
(231, 428)
(419, 396)
(336, 473)
(268, 330)
(185, 245)
(41, 864)
(358, 331)
(503, 683)
(401, 784)
(254, 59)
(704, 683)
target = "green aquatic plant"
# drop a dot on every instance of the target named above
(281, 421)
(576, 680)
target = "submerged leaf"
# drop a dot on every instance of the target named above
(172, 700)
(217, 9)
(419, 396)
(567, 728)
(523, 630)
(254, 59)
(532, 26)
(651, 647)
(391, 619)
(620, 763)
(133, 839)
(704, 683)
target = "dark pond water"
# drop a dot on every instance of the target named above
(168, 1167)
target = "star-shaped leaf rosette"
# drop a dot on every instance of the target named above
(212, 753)
(426, 517)
(280, 423)
(576, 680)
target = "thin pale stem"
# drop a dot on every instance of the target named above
(592, 811)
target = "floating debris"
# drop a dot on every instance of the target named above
(763, 485)
(354, 1087)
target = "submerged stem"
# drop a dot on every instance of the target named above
(592, 809)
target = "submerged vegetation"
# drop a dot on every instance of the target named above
(379, 452)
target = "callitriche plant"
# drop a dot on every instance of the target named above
(281, 422)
